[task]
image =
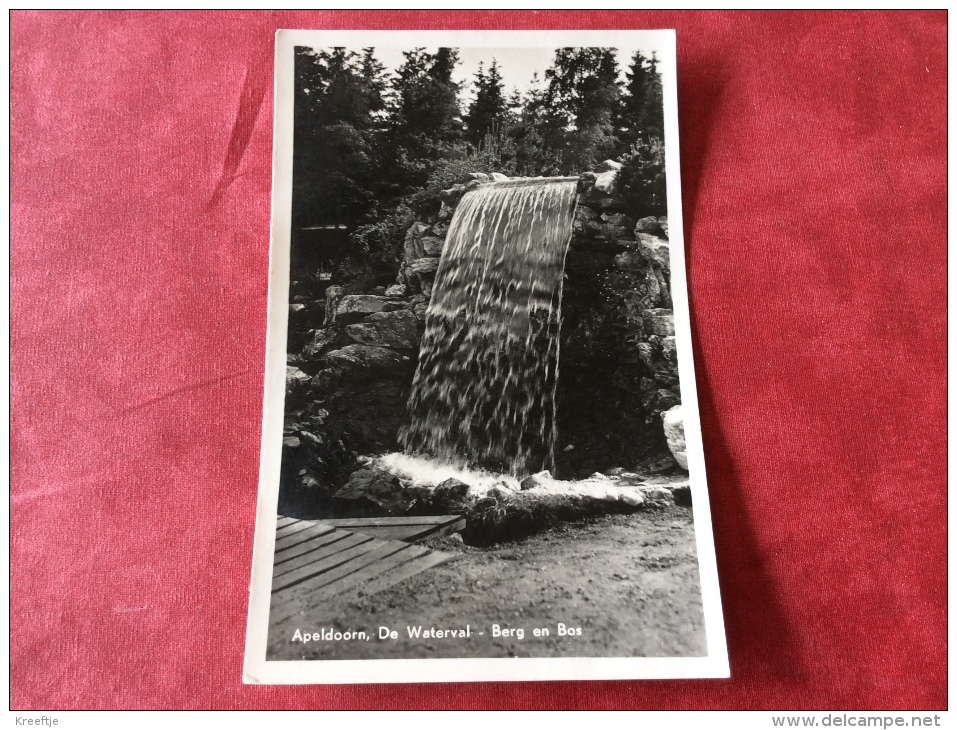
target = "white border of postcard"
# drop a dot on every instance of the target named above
(257, 669)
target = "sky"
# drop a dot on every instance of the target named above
(516, 65)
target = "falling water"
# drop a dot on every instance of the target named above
(484, 391)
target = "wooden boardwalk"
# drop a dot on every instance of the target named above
(341, 556)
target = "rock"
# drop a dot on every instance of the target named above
(499, 177)
(378, 486)
(445, 212)
(333, 295)
(412, 245)
(654, 249)
(648, 224)
(293, 308)
(291, 442)
(395, 290)
(607, 166)
(432, 245)
(387, 329)
(378, 291)
(450, 496)
(584, 213)
(440, 229)
(295, 379)
(659, 322)
(656, 496)
(630, 261)
(311, 439)
(632, 497)
(599, 475)
(606, 183)
(423, 266)
(368, 360)
(674, 426)
(617, 226)
(319, 341)
(669, 352)
(477, 176)
(420, 310)
(541, 479)
(614, 471)
(357, 306)
(655, 465)
(665, 399)
(663, 225)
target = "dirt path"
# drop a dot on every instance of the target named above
(628, 582)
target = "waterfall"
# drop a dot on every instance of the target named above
(484, 390)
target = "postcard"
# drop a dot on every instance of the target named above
(481, 452)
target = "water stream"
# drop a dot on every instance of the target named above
(484, 390)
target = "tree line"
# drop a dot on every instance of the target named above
(367, 142)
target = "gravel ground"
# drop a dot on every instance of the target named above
(623, 585)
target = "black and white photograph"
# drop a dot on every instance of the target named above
(481, 456)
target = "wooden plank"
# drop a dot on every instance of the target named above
(310, 545)
(402, 572)
(381, 550)
(323, 552)
(356, 522)
(311, 532)
(282, 521)
(411, 532)
(293, 529)
(383, 565)
(318, 569)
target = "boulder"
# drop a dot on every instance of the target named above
(608, 166)
(648, 224)
(423, 266)
(440, 228)
(655, 465)
(674, 426)
(412, 246)
(657, 496)
(387, 329)
(356, 306)
(377, 486)
(295, 379)
(478, 176)
(541, 479)
(663, 225)
(368, 360)
(659, 322)
(420, 310)
(395, 290)
(432, 245)
(617, 226)
(499, 177)
(319, 341)
(606, 183)
(450, 496)
(333, 295)
(654, 249)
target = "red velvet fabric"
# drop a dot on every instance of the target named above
(814, 183)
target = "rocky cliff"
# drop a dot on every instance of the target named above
(352, 354)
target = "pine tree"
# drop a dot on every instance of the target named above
(581, 102)
(488, 113)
